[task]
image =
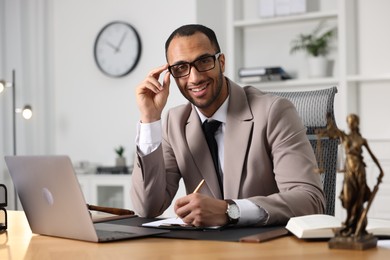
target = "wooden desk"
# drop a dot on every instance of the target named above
(22, 244)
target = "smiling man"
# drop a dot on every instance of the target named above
(257, 163)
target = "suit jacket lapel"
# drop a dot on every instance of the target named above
(239, 126)
(201, 153)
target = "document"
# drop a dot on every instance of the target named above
(322, 226)
(174, 223)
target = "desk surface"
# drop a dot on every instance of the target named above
(20, 243)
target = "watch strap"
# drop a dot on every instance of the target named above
(231, 203)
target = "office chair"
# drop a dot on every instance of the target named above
(313, 106)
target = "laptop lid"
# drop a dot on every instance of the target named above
(53, 202)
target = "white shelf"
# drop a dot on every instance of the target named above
(368, 78)
(286, 19)
(296, 83)
(242, 16)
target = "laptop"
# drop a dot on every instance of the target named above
(54, 204)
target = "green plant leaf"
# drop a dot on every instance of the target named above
(314, 44)
(120, 151)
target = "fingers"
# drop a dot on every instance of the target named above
(151, 82)
(189, 209)
(154, 75)
(167, 81)
(200, 210)
(181, 208)
(184, 208)
(152, 95)
(157, 71)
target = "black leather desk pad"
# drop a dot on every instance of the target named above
(225, 234)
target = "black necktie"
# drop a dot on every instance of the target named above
(209, 129)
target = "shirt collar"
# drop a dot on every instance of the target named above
(219, 115)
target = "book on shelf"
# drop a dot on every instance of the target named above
(112, 170)
(319, 226)
(262, 74)
(266, 8)
(282, 7)
(259, 71)
(271, 8)
(264, 78)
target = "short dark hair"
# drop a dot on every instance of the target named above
(191, 29)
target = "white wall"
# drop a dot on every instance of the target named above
(374, 58)
(94, 113)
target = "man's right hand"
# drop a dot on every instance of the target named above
(152, 96)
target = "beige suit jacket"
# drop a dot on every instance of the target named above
(268, 159)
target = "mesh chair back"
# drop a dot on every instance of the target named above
(313, 106)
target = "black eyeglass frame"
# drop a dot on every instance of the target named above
(193, 64)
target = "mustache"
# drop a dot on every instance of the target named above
(196, 84)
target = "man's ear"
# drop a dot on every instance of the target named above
(222, 62)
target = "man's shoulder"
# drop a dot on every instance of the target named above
(255, 95)
(179, 115)
(263, 102)
(249, 91)
(253, 92)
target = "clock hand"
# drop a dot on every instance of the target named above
(112, 46)
(118, 48)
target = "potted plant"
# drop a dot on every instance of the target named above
(316, 45)
(120, 159)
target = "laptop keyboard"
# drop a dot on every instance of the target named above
(104, 235)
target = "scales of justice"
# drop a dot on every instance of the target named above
(356, 197)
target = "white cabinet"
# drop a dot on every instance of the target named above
(113, 190)
(361, 65)
(109, 190)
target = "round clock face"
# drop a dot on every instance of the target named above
(117, 49)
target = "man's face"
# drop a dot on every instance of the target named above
(207, 90)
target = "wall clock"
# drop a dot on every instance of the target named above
(117, 49)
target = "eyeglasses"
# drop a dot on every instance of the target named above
(201, 65)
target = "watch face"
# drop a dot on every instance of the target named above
(117, 49)
(233, 212)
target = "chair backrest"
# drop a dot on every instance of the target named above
(313, 106)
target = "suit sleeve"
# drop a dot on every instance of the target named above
(294, 164)
(154, 187)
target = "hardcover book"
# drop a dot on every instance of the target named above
(321, 226)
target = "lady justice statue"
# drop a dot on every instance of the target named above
(355, 192)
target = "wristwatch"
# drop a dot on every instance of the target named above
(232, 212)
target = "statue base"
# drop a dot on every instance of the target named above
(355, 243)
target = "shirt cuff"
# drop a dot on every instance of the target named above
(251, 213)
(149, 137)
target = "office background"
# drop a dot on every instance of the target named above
(81, 112)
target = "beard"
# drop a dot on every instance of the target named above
(216, 92)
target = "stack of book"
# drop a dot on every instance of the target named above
(262, 74)
(112, 170)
